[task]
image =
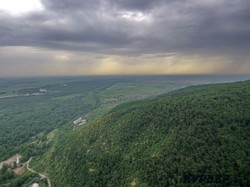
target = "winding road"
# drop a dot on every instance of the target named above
(41, 175)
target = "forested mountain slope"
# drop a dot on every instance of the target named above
(199, 134)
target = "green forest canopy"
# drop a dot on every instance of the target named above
(170, 140)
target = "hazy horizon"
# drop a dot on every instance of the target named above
(244, 76)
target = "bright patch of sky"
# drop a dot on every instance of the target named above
(135, 16)
(20, 7)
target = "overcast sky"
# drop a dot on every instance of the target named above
(89, 37)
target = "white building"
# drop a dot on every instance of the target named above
(43, 90)
(79, 121)
(35, 185)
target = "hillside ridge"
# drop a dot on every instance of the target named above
(169, 140)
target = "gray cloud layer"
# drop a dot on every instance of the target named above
(134, 27)
(139, 25)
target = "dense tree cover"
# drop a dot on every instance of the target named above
(5, 174)
(8, 178)
(27, 112)
(22, 118)
(198, 136)
(23, 180)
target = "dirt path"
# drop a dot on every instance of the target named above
(10, 160)
(41, 175)
(7, 96)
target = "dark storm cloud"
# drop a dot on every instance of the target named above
(137, 4)
(67, 5)
(133, 26)
(223, 29)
